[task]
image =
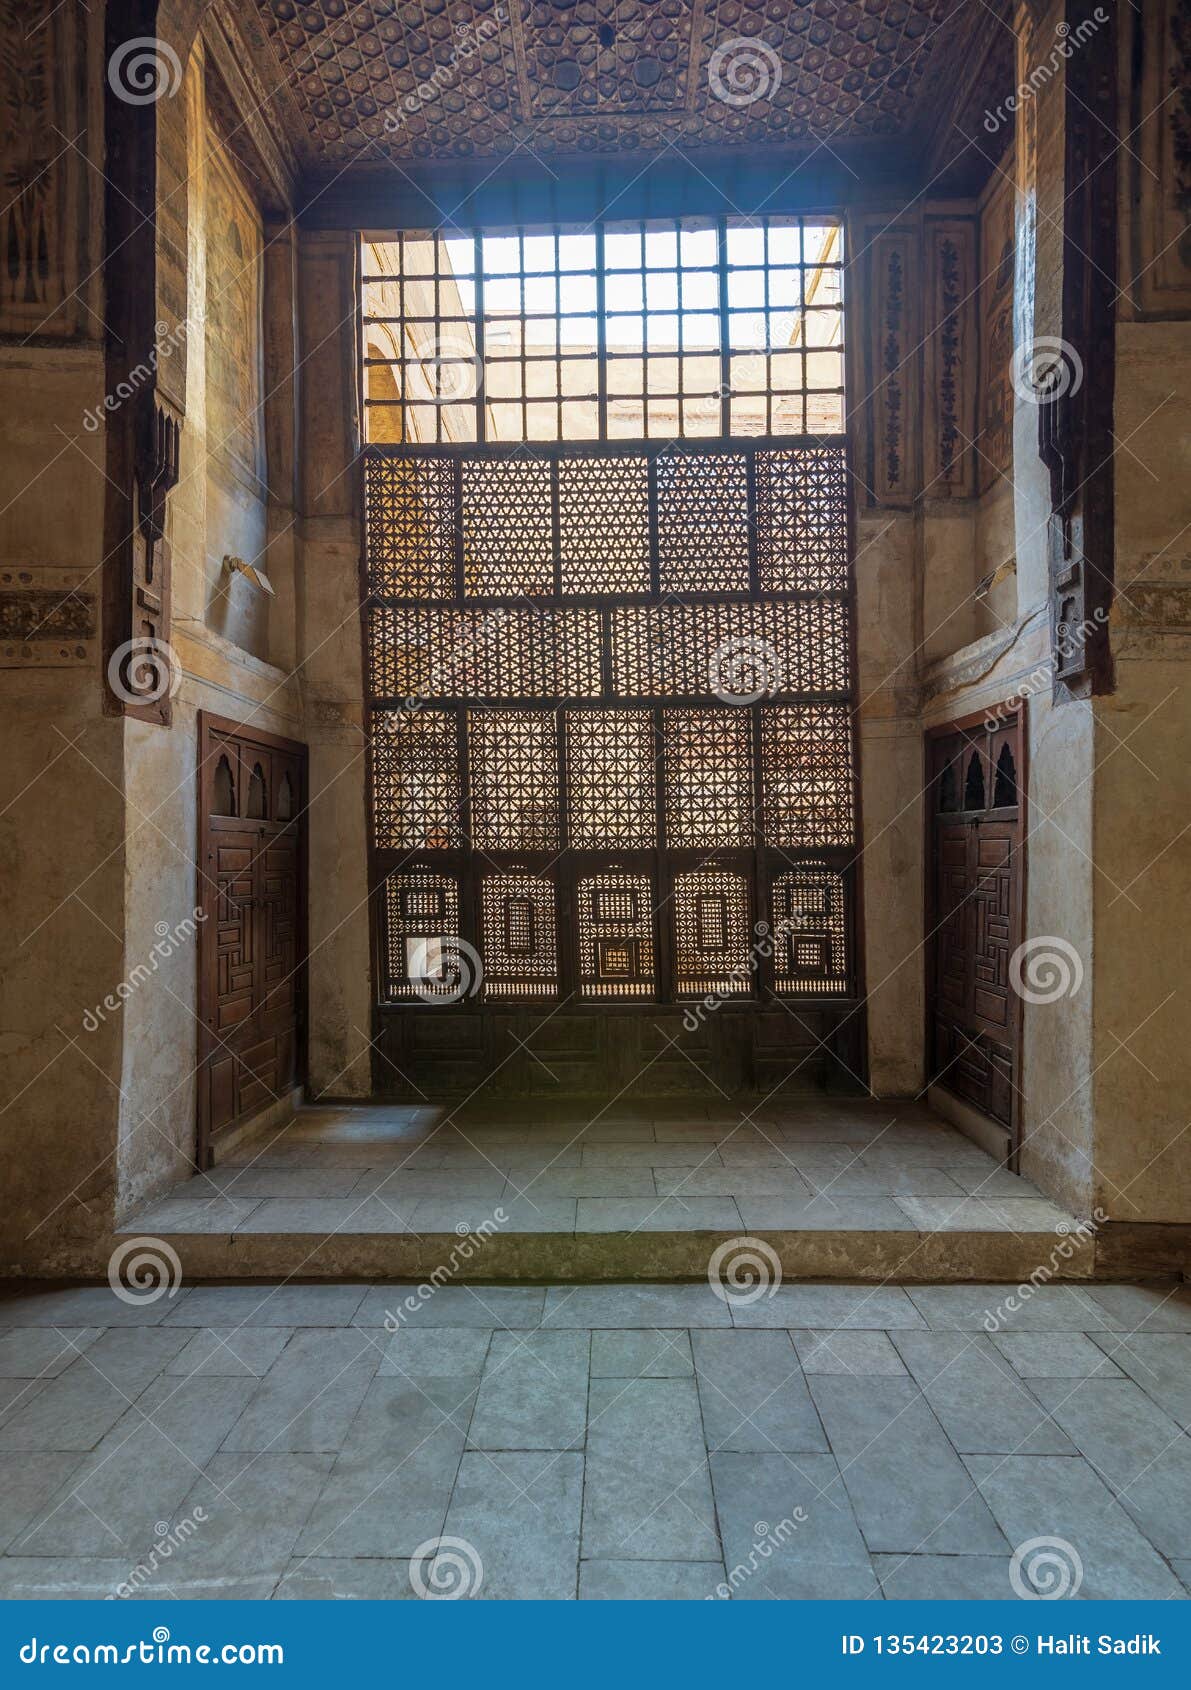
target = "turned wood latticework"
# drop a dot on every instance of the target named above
(610, 724)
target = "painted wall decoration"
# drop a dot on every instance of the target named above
(994, 453)
(1156, 97)
(235, 386)
(949, 413)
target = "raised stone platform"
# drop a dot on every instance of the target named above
(843, 1190)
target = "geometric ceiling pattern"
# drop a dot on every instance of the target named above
(415, 79)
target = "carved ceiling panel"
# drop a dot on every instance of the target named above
(391, 79)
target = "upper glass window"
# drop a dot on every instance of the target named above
(629, 331)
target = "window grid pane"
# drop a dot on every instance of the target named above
(637, 331)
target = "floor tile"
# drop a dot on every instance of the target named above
(641, 1355)
(732, 1182)
(198, 1214)
(1136, 1449)
(409, 1183)
(658, 1214)
(325, 1579)
(139, 1473)
(1059, 1355)
(944, 1578)
(238, 1352)
(1050, 1497)
(649, 1581)
(650, 1156)
(84, 1305)
(326, 1216)
(980, 1402)
(436, 1352)
(873, 1308)
(789, 1529)
(752, 1393)
(863, 1181)
(909, 1489)
(976, 1214)
(269, 1305)
(647, 1493)
(28, 1482)
(309, 1397)
(632, 1306)
(520, 1512)
(74, 1411)
(1160, 1362)
(1131, 1308)
(582, 1182)
(533, 1394)
(42, 1578)
(289, 1182)
(252, 1509)
(494, 1306)
(847, 1352)
(40, 1352)
(531, 1213)
(824, 1214)
(997, 1308)
(390, 1485)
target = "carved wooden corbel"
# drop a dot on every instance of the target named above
(142, 670)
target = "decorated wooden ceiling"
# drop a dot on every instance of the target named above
(376, 80)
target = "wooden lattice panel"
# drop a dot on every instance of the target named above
(708, 759)
(603, 512)
(507, 529)
(731, 649)
(513, 764)
(807, 777)
(703, 522)
(421, 937)
(810, 933)
(409, 517)
(802, 520)
(712, 934)
(611, 778)
(519, 936)
(615, 936)
(500, 653)
(573, 753)
(416, 790)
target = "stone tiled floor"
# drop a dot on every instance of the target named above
(817, 1165)
(641, 1441)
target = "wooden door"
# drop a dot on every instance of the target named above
(976, 822)
(252, 848)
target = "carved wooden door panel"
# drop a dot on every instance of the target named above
(252, 946)
(976, 836)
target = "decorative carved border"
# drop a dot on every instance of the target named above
(886, 302)
(1155, 94)
(949, 406)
